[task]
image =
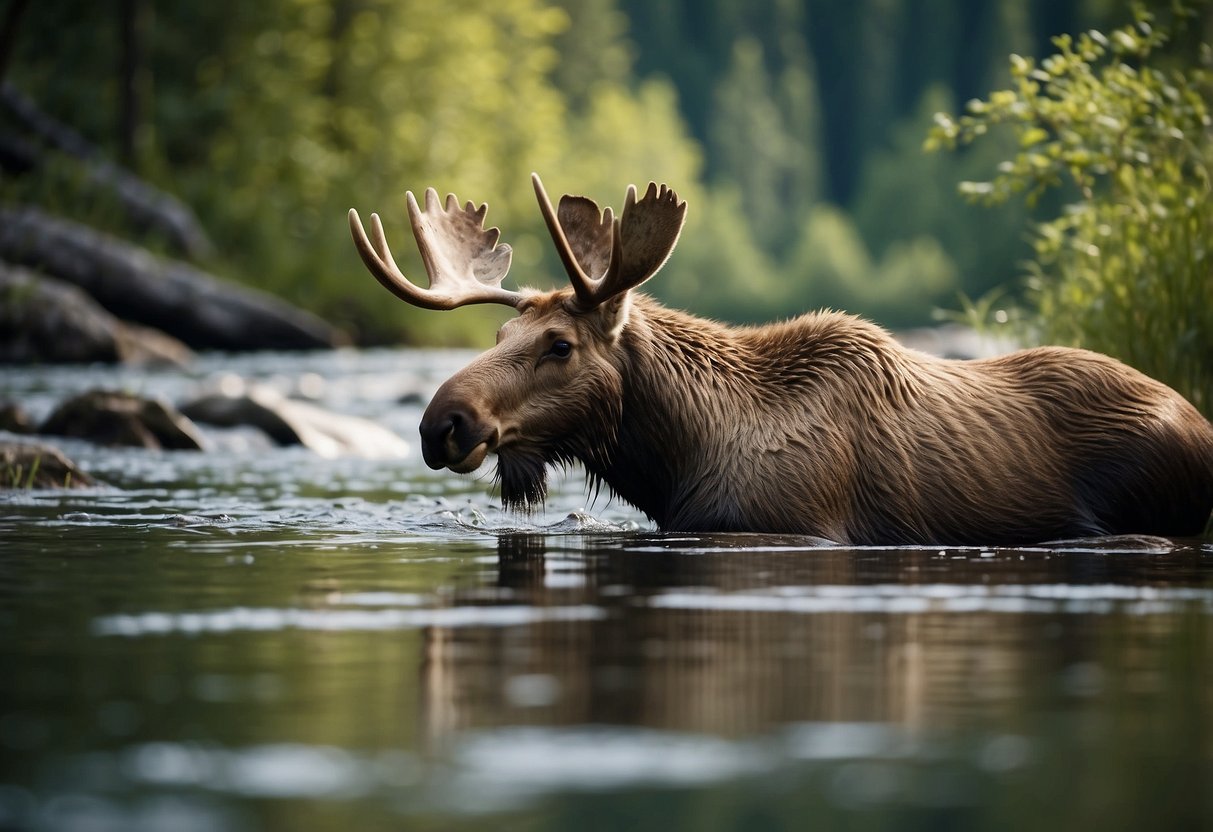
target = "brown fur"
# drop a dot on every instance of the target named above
(824, 425)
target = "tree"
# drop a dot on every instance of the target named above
(749, 137)
(906, 193)
(274, 118)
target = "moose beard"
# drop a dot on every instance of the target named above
(522, 470)
(523, 479)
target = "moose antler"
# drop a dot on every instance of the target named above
(605, 256)
(464, 261)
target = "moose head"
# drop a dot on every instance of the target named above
(549, 391)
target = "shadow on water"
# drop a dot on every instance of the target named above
(236, 643)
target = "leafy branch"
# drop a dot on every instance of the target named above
(1115, 121)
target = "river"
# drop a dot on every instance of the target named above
(263, 639)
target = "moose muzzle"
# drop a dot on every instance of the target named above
(454, 436)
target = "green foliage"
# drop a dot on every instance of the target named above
(719, 270)
(346, 110)
(791, 126)
(594, 49)
(763, 133)
(272, 119)
(906, 194)
(16, 476)
(901, 288)
(1126, 268)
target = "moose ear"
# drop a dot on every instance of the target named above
(614, 314)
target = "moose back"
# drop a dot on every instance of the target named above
(823, 425)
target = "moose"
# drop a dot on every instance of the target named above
(823, 425)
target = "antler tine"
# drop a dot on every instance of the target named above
(605, 256)
(583, 284)
(649, 230)
(464, 261)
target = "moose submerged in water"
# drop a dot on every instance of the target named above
(823, 425)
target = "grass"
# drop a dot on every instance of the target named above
(15, 473)
(17, 476)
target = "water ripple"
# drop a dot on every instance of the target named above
(909, 599)
(243, 619)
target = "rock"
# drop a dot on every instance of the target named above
(113, 418)
(292, 422)
(134, 285)
(145, 346)
(47, 321)
(35, 465)
(14, 419)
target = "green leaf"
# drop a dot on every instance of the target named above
(1033, 135)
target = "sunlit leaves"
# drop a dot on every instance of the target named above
(1125, 268)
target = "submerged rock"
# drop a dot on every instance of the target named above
(35, 465)
(114, 418)
(292, 422)
(47, 321)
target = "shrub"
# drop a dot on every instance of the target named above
(1121, 128)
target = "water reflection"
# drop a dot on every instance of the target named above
(734, 637)
(450, 676)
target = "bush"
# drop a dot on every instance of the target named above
(1122, 128)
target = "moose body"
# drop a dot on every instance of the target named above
(823, 425)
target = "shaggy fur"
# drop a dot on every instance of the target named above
(826, 426)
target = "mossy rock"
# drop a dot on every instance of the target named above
(35, 465)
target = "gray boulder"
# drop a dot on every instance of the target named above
(47, 321)
(134, 285)
(14, 419)
(292, 422)
(114, 418)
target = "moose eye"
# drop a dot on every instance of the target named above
(561, 349)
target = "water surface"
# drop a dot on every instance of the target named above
(257, 638)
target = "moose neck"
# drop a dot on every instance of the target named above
(734, 429)
(681, 375)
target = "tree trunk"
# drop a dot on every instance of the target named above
(8, 33)
(185, 302)
(132, 81)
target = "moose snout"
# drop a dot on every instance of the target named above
(455, 437)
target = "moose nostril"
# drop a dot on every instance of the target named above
(454, 427)
(444, 436)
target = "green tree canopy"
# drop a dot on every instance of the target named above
(791, 126)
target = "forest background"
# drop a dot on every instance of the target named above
(794, 128)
